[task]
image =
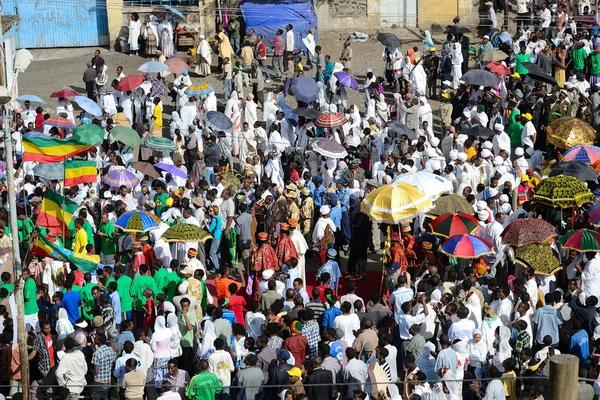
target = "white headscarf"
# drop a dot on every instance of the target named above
(176, 338)
(208, 338)
(161, 332)
(474, 306)
(63, 326)
(452, 385)
(233, 105)
(426, 362)
(477, 350)
(504, 349)
(394, 392)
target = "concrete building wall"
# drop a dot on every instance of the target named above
(443, 11)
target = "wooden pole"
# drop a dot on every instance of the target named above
(564, 371)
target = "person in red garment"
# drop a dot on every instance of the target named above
(285, 248)
(296, 343)
(237, 303)
(262, 257)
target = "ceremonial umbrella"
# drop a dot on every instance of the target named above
(329, 148)
(228, 179)
(176, 65)
(185, 233)
(431, 184)
(594, 215)
(88, 105)
(395, 203)
(89, 134)
(498, 68)
(562, 191)
(127, 136)
(540, 257)
(450, 203)
(583, 240)
(59, 122)
(308, 113)
(120, 177)
(578, 169)
(479, 131)
(346, 79)
(305, 89)
(567, 132)
(64, 93)
(389, 40)
(401, 129)
(494, 55)
(451, 224)
(466, 246)
(129, 83)
(138, 221)
(480, 77)
(199, 90)
(330, 120)
(587, 154)
(171, 169)
(527, 230)
(153, 67)
(536, 73)
(219, 121)
(50, 171)
(160, 144)
(33, 99)
(146, 169)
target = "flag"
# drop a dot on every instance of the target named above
(77, 172)
(51, 150)
(56, 213)
(45, 248)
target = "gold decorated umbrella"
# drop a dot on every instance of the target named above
(567, 132)
(540, 257)
(395, 203)
(562, 191)
(230, 180)
(450, 203)
(185, 233)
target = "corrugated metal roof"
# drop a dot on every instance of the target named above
(8, 21)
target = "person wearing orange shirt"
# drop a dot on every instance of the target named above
(222, 283)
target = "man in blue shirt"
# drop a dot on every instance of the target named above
(71, 300)
(332, 312)
(343, 196)
(227, 314)
(579, 344)
(336, 212)
(546, 321)
(318, 193)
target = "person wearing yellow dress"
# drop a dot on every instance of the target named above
(81, 237)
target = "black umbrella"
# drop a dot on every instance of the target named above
(308, 113)
(478, 131)
(480, 77)
(536, 73)
(457, 29)
(402, 129)
(219, 120)
(578, 169)
(389, 40)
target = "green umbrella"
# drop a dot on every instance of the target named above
(127, 136)
(88, 134)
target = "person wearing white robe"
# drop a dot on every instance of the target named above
(176, 123)
(501, 140)
(309, 43)
(161, 248)
(301, 247)
(63, 105)
(250, 111)
(491, 233)
(135, 28)
(127, 104)
(457, 59)
(424, 114)
(247, 139)
(188, 113)
(273, 172)
(203, 57)
(233, 105)
(418, 79)
(210, 103)
(270, 109)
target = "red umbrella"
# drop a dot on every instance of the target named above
(129, 82)
(330, 120)
(498, 68)
(452, 224)
(524, 231)
(65, 93)
(177, 65)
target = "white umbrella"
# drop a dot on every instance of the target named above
(329, 148)
(430, 184)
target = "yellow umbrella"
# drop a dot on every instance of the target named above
(569, 132)
(395, 203)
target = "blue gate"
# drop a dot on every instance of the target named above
(58, 23)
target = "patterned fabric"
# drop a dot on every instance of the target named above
(311, 332)
(161, 370)
(104, 358)
(562, 191)
(522, 342)
(43, 354)
(263, 258)
(285, 249)
(275, 342)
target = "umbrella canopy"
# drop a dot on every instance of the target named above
(540, 257)
(219, 120)
(479, 131)
(567, 132)
(125, 135)
(129, 83)
(498, 68)
(527, 230)
(430, 184)
(228, 179)
(583, 240)
(536, 73)
(176, 65)
(594, 215)
(50, 171)
(305, 89)
(59, 122)
(389, 40)
(138, 221)
(120, 177)
(395, 203)
(494, 55)
(171, 169)
(88, 105)
(451, 224)
(64, 93)
(89, 134)
(586, 154)
(330, 120)
(33, 99)
(175, 11)
(199, 90)
(158, 87)
(480, 77)
(329, 148)
(457, 29)
(451, 203)
(346, 79)
(466, 246)
(401, 129)
(579, 170)
(308, 113)
(160, 144)
(146, 169)
(562, 191)
(153, 67)
(185, 233)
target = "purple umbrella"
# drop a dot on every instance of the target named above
(170, 168)
(329, 148)
(120, 177)
(346, 79)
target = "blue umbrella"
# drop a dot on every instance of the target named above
(50, 171)
(346, 79)
(170, 168)
(153, 67)
(89, 105)
(219, 120)
(199, 90)
(137, 221)
(175, 11)
(33, 99)
(305, 89)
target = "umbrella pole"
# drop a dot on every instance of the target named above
(63, 195)
(383, 269)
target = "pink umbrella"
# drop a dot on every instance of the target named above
(177, 65)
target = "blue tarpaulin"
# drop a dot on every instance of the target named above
(266, 16)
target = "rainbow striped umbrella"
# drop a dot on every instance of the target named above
(451, 224)
(138, 221)
(581, 240)
(587, 154)
(59, 122)
(120, 177)
(466, 246)
(330, 120)
(199, 90)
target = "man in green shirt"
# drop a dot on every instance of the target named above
(160, 276)
(160, 201)
(107, 276)
(30, 297)
(595, 65)
(187, 321)
(520, 58)
(87, 227)
(89, 294)
(140, 283)
(6, 282)
(108, 247)
(205, 385)
(514, 132)
(124, 288)
(173, 280)
(234, 34)
(25, 226)
(579, 55)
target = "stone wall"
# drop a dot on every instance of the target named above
(347, 14)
